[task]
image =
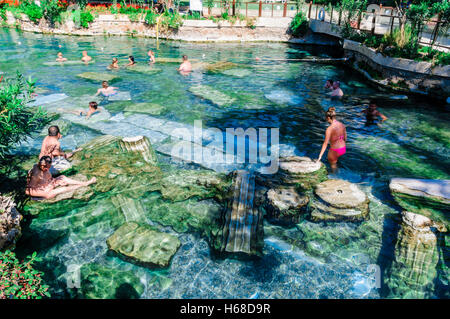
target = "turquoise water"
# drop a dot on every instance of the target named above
(308, 260)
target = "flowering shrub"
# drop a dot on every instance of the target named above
(20, 280)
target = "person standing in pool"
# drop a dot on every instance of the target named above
(336, 135)
(60, 58)
(329, 84)
(86, 58)
(114, 64)
(372, 114)
(185, 66)
(106, 90)
(151, 56)
(131, 61)
(336, 90)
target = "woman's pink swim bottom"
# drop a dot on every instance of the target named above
(339, 151)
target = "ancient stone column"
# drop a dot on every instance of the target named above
(139, 144)
(339, 200)
(10, 218)
(414, 268)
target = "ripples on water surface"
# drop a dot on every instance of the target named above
(307, 261)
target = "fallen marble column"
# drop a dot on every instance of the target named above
(427, 197)
(242, 230)
(416, 257)
(339, 200)
(139, 144)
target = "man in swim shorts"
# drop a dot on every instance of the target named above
(40, 182)
(51, 146)
(93, 108)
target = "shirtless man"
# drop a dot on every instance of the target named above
(51, 146)
(60, 58)
(329, 84)
(40, 182)
(372, 114)
(185, 66)
(151, 56)
(93, 108)
(86, 57)
(131, 61)
(114, 64)
(106, 90)
(336, 90)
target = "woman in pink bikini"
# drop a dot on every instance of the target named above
(336, 135)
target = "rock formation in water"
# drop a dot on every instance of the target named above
(414, 268)
(141, 145)
(242, 231)
(285, 205)
(143, 244)
(10, 218)
(339, 200)
(430, 198)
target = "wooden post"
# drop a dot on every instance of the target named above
(309, 11)
(392, 21)
(340, 16)
(436, 29)
(233, 10)
(317, 12)
(358, 25)
(331, 16)
(373, 22)
(260, 9)
(285, 9)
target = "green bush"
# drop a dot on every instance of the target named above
(86, 17)
(32, 10)
(299, 25)
(17, 120)
(51, 10)
(20, 280)
(172, 20)
(150, 17)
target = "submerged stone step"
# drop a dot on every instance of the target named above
(286, 205)
(209, 93)
(242, 230)
(427, 197)
(131, 208)
(143, 244)
(98, 77)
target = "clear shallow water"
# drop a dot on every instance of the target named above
(311, 260)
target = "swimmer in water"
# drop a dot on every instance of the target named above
(114, 64)
(372, 114)
(93, 108)
(185, 66)
(151, 56)
(329, 84)
(336, 135)
(86, 57)
(131, 61)
(336, 90)
(106, 90)
(60, 58)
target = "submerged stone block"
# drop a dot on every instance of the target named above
(144, 108)
(339, 200)
(286, 205)
(427, 197)
(98, 77)
(78, 62)
(240, 73)
(144, 68)
(143, 244)
(208, 93)
(220, 66)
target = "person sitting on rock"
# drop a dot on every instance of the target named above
(336, 90)
(60, 58)
(151, 56)
(106, 90)
(86, 57)
(40, 182)
(93, 108)
(336, 135)
(185, 66)
(131, 61)
(114, 64)
(372, 114)
(51, 146)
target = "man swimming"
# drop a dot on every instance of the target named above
(60, 58)
(329, 84)
(106, 90)
(86, 57)
(151, 56)
(372, 114)
(131, 61)
(114, 64)
(93, 108)
(40, 182)
(185, 66)
(336, 135)
(336, 90)
(51, 146)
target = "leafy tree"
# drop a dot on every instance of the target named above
(17, 120)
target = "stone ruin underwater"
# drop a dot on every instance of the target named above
(156, 227)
